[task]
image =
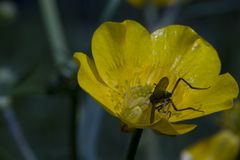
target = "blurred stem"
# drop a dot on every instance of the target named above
(134, 144)
(169, 16)
(59, 50)
(17, 134)
(109, 10)
(73, 127)
(55, 34)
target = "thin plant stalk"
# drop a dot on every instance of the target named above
(17, 134)
(134, 144)
(63, 62)
(169, 16)
(109, 10)
(73, 122)
(55, 33)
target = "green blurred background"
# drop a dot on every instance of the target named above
(39, 94)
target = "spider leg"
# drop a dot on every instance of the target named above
(170, 114)
(167, 107)
(184, 109)
(152, 116)
(181, 79)
(159, 107)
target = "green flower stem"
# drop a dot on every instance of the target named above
(134, 144)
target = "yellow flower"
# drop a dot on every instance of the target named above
(140, 3)
(129, 62)
(222, 146)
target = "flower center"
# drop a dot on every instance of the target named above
(136, 104)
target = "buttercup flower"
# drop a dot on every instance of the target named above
(129, 64)
(221, 146)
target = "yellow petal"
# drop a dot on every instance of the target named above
(222, 146)
(217, 98)
(121, 51)
(164, 127)
(181, 53)
(91, 82)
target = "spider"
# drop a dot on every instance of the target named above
(161, 98)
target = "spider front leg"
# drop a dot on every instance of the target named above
(160, 107)
(152, 116)
(181, 79)
(169, 114)
(166, 111)
(184, 109)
